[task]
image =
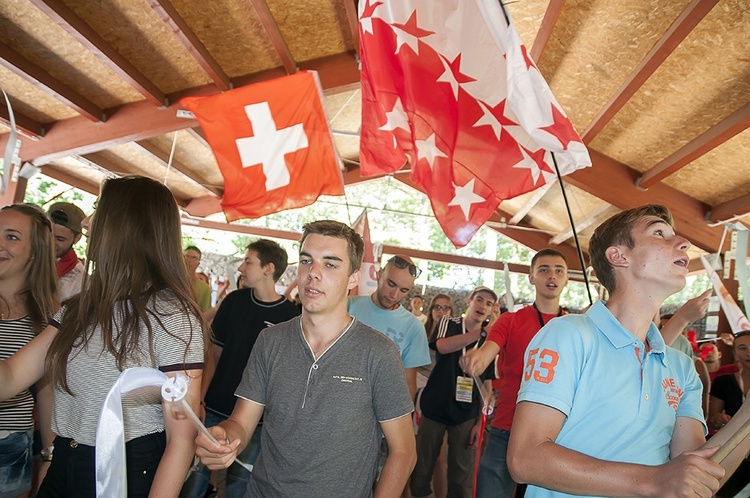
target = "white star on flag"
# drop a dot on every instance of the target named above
(404, 38)
(465, 197)
(529, 163)
(448, 77)
(427, 149)
(488, 119)
(396, 118)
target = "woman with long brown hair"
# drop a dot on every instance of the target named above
(135, 309)
(28, 289)
(440, 306)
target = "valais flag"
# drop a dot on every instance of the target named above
(272, 143)
(449, 85)
(368, 282)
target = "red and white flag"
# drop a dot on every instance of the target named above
(368, 282)
(449, 85)
(272, 143)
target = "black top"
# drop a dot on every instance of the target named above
(238, 321)
(726, 388)
(438, 399)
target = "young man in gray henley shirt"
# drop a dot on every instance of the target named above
(326, 385)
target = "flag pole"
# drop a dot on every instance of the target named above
(573, 227)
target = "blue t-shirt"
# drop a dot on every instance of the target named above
(620, 405)
(399, 325)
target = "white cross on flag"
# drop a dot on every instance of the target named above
(272, 143)
(449, 85)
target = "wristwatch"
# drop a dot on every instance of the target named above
(483, 334)
(47, 453)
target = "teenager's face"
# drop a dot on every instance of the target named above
(549, 276)
(658, 259)
(742, 351)
(192, 260)
(15, 244)
(393, 284)
(65, 238)
(440, 307)
(323, 277)
(251, 270)
(480, 306)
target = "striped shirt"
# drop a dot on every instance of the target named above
(92, 371)
(15, 413)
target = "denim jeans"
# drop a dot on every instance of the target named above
(15, 464)
(494, 479)
(237, 475)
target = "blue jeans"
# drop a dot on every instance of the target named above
(237, 476)
(15, 464)
(494, 479)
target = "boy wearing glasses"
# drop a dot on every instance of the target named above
(383, 312)
(512, 333)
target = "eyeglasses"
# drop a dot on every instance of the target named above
(401, 263)
(442, 307)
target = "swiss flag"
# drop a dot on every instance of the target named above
(449, 87)
(272, 143)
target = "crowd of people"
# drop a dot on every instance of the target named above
(326, 397)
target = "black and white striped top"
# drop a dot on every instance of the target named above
(92, 372)
(15, 413)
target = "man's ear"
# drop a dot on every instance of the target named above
(269, 269)
(354, 279)
(617, 256)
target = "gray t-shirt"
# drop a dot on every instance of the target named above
(92, 371)
(321, 429)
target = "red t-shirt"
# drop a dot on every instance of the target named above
(512, 333)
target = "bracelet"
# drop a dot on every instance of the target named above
(47, 453)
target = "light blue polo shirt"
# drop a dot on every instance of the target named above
(619, 405)
(399, 325)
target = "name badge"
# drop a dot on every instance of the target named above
(464, 389)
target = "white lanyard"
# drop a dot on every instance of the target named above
(463, 331)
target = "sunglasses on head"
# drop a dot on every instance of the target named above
(401, 263)
(441, 307)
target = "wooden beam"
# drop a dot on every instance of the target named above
(163, 158)
(68, 179)
(614, 182)
(739, 206)
(728, 127)
(538, 194)
(680, 28)
(177, 25)
(352, 20)
(94, 43)
(245, 229)
(531, 239)
(24, 124)
(593, 217)
(198, 136)
(274, 35)
(142, 120)
(18, 65)
(545, 29)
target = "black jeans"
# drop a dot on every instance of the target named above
(73, 468)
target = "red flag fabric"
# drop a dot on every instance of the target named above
(450, 86)
(368, 282)
(272, 144)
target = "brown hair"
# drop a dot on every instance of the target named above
(269, 251)
(616, 231)
(134, 252)
(429, 325)
(547, 252)
(40, 287)
(330, 228)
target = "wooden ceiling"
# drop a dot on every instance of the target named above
(659, 90)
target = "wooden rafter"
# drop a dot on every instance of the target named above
(65, 177)
(680, 28)
(730, 209)
(352, 20)
(614, 182)
(177, 25)
(142, 120)
(538, 194)
(24, 124)
(163, 158)
(730, 126)
(545, 29)
(94, 43)
(197, 135)
(274, 35)
(593, 217)
(17, 64)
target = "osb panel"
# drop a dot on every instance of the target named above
(550, 213)
(312, 28)
(595, 46)
(231, 32)
(718, 176)
(193, 154)
(344, 111)
(80, 170)
(348, 147)
(30, 101)
(133, 162)
(37, 38)
(527, 17)
(704, 80)
(136, 32)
